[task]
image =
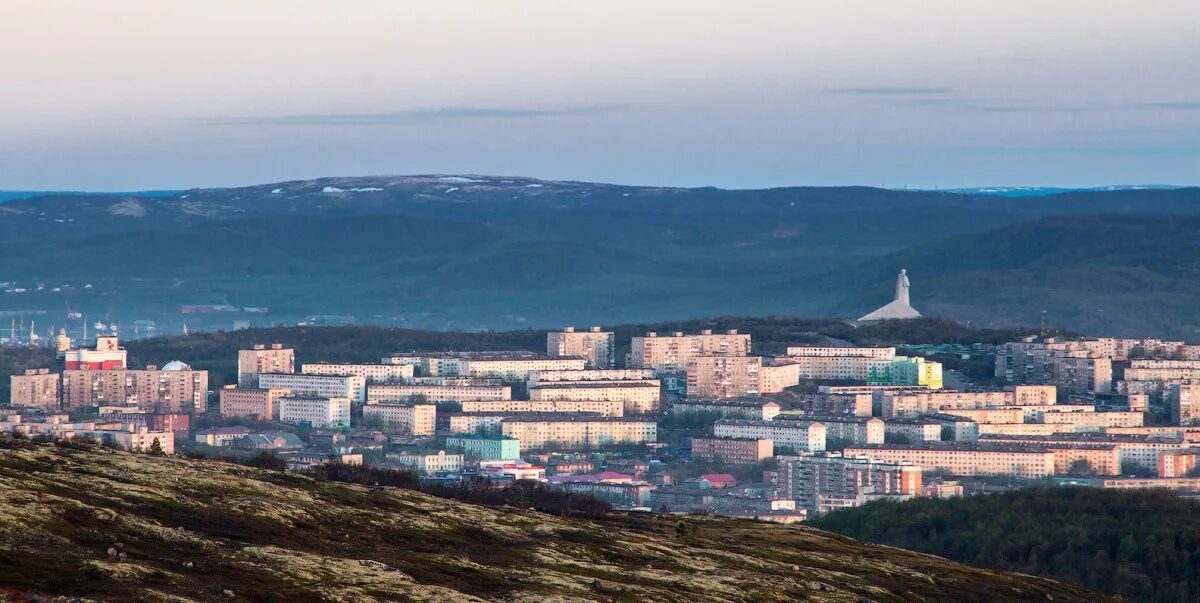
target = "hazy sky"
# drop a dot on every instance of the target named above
(129, 94)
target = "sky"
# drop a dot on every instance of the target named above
(145, 94)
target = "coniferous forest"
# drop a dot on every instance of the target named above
(1143, 545)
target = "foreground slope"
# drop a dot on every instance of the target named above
(103, 524)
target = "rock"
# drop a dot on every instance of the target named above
(112, 552)
(795, 568)
(228, 593)
(187, 564)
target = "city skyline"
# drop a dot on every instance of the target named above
(141, 95)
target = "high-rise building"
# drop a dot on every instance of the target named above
(38, 388)
(596, 347)
(107, 355)
(822, 483)
(264, 359)
(174, 389)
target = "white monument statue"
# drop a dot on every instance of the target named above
(899, 309)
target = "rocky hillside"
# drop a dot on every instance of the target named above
(101, 524)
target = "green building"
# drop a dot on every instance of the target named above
(486, 447)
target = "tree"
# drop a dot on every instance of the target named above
(1081, 467)
(156, 448)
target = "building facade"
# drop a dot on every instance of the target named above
(35, 388)
(596, 347)
(264, 359)
(410, 419)
(732, 451)
(325, 386)
(671, 354)
(315, 411)
(255, 403)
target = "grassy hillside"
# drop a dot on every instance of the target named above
(118, 526)
(1143, 545)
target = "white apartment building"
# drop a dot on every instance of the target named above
(639, 397)
(805, 436)
(409, 419)
(371, 373)
(592, 375)
(325, 386)
(848, 428)
(606, 408)
(315, 411)
(437, 393)
(578, 432)
(429, 462)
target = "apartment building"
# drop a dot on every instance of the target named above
(860, 364)
(437, 393)
(989, 415)
(908, 430)
(264, 359)
(1024, 429)
(822, 483)
(1093, 421)
(671, 354)
(914, 403)
(514, 366)
(596, 347)
(639, 397)
(256, 403)
(134, 439)
(964, 459)
(1162, 370)
(732, 451)
(1184, 403)
(371, 373)
(727, 408)
(854, 404)
(35, 388)
(592, 375)
(315, 411)
(1094, 458)
(1179, 463)
(723, 376)
(1072, 368)
(429, 462)
(846, 429)
(956, 428)
(607, 408)
(1135, 450)
(220, 436)
(408, 419)
(486, 447)
(176, 388)
(805, 436)
(476, 422)
(777, 375)
(575, 432)
(324, 386)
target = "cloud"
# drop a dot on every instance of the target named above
(888, 91)
(405, 116)
(1184, 105)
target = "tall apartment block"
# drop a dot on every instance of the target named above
(596, 347)
(37, 388)
(175, 389)
(264, 359)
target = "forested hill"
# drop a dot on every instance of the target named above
(487, 252)
(1140, 544)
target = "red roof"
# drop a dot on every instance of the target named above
(719, 479)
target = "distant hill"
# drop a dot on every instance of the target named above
(486, 252)
(86, 523)
(1120, 274)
